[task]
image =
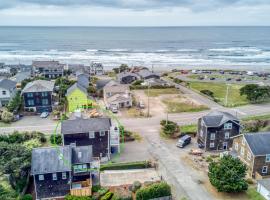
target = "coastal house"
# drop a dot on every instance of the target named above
(96, 69)
(216, 129)
(254, 150)
(98, 132)
(263, 187)
(127, 77)
(38, 96)
(146, 74)
(77, 98)
(7, 91)
(48, 69)
(19, 77)
(117, 95)
(59, 171)
(83, 80)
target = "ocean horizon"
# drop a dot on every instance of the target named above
(186, 47)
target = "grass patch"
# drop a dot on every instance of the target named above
(158, 92)
(129, 165)
(2, 124)
(253, 194)
(174, 106)
(189, 128)
(257, 117)
(219, 90)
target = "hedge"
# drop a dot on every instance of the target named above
(143, 87)
(107, 196)
(129, 165)
(155, 190)
(70, 197)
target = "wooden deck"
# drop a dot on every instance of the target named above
(85, 190)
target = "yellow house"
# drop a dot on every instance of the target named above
(77, 98)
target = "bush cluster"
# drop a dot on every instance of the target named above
(130, 165)
(143, 87)
(155, 190)
(169, 127)
(56, 139)
(17, 137)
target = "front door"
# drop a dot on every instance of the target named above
(225, 145)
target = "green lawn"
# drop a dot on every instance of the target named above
(219, 90)
(177, 107)
(189, 128)
(2, 124)
(253, 194)
(157, 92)
(257, 117)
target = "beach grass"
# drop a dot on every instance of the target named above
(158, 92)
(219, 92)
(188, 128)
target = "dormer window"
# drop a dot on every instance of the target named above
(228, 126)
(41, 177)
(64, 175)
(91, 134)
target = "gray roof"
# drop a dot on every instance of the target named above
(82, 154)
(7, 84)
(217, 118)
(114, 87)
(265, 183)
(83, 79)
(39, 86)
(259, 143)
(144, 73)
(76, 86)
(85, 125)
(100, 84)
(47, 64)
(51, 159)
(124, 74)
(20, 76)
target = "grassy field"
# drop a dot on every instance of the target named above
(157, 92)
(189, 128)
(257, 117)
(224, 76)
(219, 90)
(174, 106)
(253, 194)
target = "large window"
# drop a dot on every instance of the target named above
(64, 175)
(267, 158)
(41, 177)
(212, 136)
(30, 102)
(80, 168)
(54, 176)
(102, 133)
(236, 146)
(4, 92)
(248, 156)
(212, 144)
(242, 151)
(91, 134)
(30, 94)
(44, 94)
(228, 126)
(227, 135)
(45, 102)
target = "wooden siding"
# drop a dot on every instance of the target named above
(86, 189)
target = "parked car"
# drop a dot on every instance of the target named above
(228, 79)
(141, 104)
(183, 141)
(114, 109)
(212, 78)
(200, 77)
(44, 115)
(238, 79)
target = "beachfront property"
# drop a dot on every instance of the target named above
(101, 133)
(117, 95)
(77, 98)
(253, 149)
(38, 96)
(7, 91)
(48, 69)
(216, 129)
(127, 77)
(146, 74)
(96, 69)
(63, 170)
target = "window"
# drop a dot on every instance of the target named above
(248, 156)
(64, 175)
(80, 168)
(227, 135)
(29, 94)
(227, 126)
(41, 177)
(242, 151)
(4, 92)
(267, 158)
(264, 169)
(54, 176)
(236, 146)
(45, 102)
(212, 144)
(212, 136)
(91, 135)
(44, 94)
(30, 102)
(102, 133)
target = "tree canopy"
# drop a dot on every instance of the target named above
(255, 92)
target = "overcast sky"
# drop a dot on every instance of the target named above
(134, 12)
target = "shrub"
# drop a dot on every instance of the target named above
(103, 191)
(121, 166)
(135, 186)
(17, 137)
(70, 197)
(7, 117)
(56, 139)
(96, 188)
(209, 159)
(208, 93)
(27, 197)
(155, 190)
(137, 82)
(107, 196)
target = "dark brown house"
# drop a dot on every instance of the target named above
(216, 129)
(93, 131)
(254, 150)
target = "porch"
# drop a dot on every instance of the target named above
(81, 188)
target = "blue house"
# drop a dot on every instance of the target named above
(37, 96)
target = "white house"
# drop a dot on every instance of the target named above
(7, 91)
(263, 187)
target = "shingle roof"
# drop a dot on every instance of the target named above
(20, 76)
(124, 74)
(85, 125)
(47, 64)
(144, 73)
(76, 86)
(101, 83)
(118, 98)
(7, 84)
(259, 143)
(265, 183)
(217, 118)
(39, 86)
(116, 88)
(51, 159)
(83, 79)
(82, 154)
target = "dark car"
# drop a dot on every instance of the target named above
(200, 77)
(183, 141)
(228, 79)
(212, 78)
(238, 79)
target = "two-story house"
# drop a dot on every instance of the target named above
(127, 77)
(96, 69)
(48, 69)
(254, 150)
(7, 91)
(37, 96)
(216, 129)
(58, 171)
(98, 132)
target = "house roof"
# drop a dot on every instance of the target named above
(83, 79)
(125, 74)
(144, 73)
(20, 76)
(85, 125)
(82, 154)
(51, 159)
(116, 88)
(76, 86)
(118, 98)
(259, 143)
(7, 84)
(47, 64)
(217, 118)
(265, 183)
(101, 83)
(39, 86)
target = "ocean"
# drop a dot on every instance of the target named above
(162, 47)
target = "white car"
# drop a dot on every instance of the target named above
(141, 104)
(44, 115)
(114, 109)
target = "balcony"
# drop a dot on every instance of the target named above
(82, 188)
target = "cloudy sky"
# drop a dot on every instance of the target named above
(134, 12)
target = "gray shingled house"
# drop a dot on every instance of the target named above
(127, 77)
(48, 69)
(62, 170)
(146, 74)
(7, 91)
(216, 129)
